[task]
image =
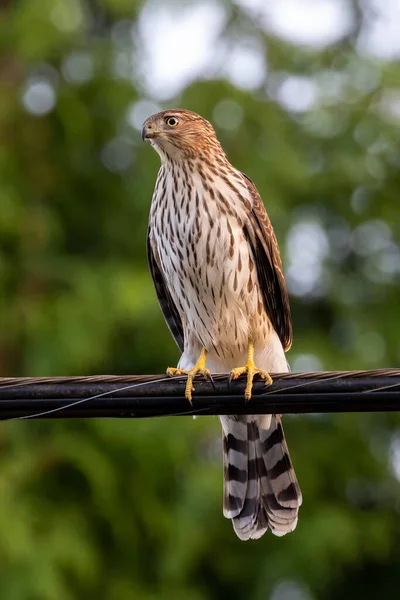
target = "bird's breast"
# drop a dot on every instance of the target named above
(205, 257)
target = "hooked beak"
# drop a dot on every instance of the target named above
(149, 131)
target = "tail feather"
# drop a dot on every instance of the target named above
(280, 473)
(235, 467)
(245, 523)
(260, 486)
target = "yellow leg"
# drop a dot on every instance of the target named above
(251, 370)
(198, 369)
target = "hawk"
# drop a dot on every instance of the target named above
(216, 267)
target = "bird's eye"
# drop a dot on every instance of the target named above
(171, 121)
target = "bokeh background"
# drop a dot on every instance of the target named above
(305, 97)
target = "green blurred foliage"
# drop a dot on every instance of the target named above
(125, 509)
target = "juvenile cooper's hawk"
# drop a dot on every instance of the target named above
(217, 271)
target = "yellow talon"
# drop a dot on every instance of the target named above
(198, 369)
(251, 370)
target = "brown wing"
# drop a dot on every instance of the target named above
(167, 305)
(264, 244)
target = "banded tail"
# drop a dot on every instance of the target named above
(260, 486)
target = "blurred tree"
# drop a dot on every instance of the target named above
(110, 509)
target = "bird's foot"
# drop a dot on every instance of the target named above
(198, 369)
(251, 370)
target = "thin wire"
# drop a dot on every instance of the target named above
(195, 412)
(83, 400)
(66, 379)
(22, 383)
(329, 378)
(300, 385)
(383, 387)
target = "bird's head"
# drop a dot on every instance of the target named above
(179, 134)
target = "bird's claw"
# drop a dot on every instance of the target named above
(191, 374)
(251, 370)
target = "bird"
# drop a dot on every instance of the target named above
(216, 267)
